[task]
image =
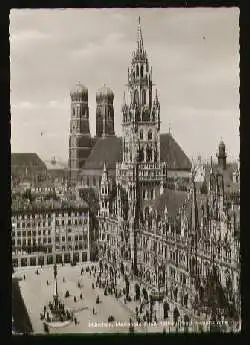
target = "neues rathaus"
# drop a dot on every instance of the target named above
(183, 245)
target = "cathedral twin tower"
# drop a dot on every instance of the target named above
(80, 141)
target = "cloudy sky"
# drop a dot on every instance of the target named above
(194, 54)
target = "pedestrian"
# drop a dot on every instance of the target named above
(75, 320)
(24, 277)
(47, 282)
(131, 326)
(165, 310)
(141, 308)
(63, 280)
(176, 315)
(93, 310)
(81, 295)
(75, 299)
(186, 323)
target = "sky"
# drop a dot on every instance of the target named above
(194, 54)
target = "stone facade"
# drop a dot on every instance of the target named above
(50, 235)
(175, 242)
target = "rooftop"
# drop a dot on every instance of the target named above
(19, 206)
(27, 160)
(109, 149)
(171, 200)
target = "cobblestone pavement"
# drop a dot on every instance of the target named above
(36, 293)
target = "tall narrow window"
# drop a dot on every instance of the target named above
(150, 134)
(141, 70)
(152, 195)
(143, 97)
(137, 70)
(141, 134)
(136, 95)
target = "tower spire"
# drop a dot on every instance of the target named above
(139, 35)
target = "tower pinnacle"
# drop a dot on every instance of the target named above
(139, 35)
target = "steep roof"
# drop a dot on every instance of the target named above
(29, 160)
(170, 199)
(55, 165)
(172, 153)
(107, 149)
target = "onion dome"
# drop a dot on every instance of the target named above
(79, 92)
(105, 93)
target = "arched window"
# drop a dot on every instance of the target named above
(141, 134)
(141, 70)
(136, 99)
(143, 97)
(150, 134)
(137, 70)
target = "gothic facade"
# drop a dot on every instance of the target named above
(182, 245)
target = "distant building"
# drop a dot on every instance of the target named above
(27, 167)
(80, 141)
(229, 171)
(56, 170)
(47, 233)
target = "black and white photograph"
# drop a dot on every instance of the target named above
(125, 170)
